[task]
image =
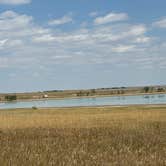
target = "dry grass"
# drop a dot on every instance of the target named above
(98, 136)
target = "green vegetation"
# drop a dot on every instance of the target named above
(160, 89)
(11, 97)
(123, 136)
(146, 89)
(86, 93)
(34, 108)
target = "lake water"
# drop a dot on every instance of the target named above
(98, 101)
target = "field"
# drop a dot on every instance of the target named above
(87, 136)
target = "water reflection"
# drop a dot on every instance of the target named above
(147, 97)
(161, 96)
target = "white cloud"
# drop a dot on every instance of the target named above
(44, 38)
(14, 43)
(137, 30)
(161, 23)
(11, 20)
(61, 21)
(8, 14)
(111, 17)
(14, 2)
(142, 39)
(2, 42)
(25, 44)
(98, 35)
(123, 48)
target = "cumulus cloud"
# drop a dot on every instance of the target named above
(14, 2)
(15, 40)
(25, 44)
(123, 48)
(11, 20)
(161, 23)
(111, 17)
(61, 21)
(97, 35)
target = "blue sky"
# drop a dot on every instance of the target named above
(77, 44)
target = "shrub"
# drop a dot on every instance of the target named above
(11, 97)
(160, 90)
(146, 89)
(34, 108)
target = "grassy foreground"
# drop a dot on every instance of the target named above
(96, 136)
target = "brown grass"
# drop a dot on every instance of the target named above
(97, 136)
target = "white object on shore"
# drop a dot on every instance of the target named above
(45, 96)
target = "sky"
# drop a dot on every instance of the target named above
(81, 44)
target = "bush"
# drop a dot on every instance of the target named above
(11, 97)
(146, 89)
(34, 108)
(160, 90)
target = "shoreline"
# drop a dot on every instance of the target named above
(89, 107)
(80, 97)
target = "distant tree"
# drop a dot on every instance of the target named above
(93, 91)
(87, 93)
(146, 89)
(11, 97)
(160, 89)
(34, 108)
(80, 93)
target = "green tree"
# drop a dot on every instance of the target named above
(93, 91)
(160, 90)
(146, 89)
(11, 97)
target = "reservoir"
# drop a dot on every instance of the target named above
(93, 101)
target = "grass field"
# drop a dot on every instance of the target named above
(96, 136)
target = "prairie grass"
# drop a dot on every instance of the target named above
(91, 136)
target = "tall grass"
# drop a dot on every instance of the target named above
(101, 136)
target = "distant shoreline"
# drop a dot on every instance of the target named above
(80, 97)
(77, 94)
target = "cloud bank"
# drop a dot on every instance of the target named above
(161, 23)
(27, 45)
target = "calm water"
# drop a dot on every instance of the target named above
(116, 100)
